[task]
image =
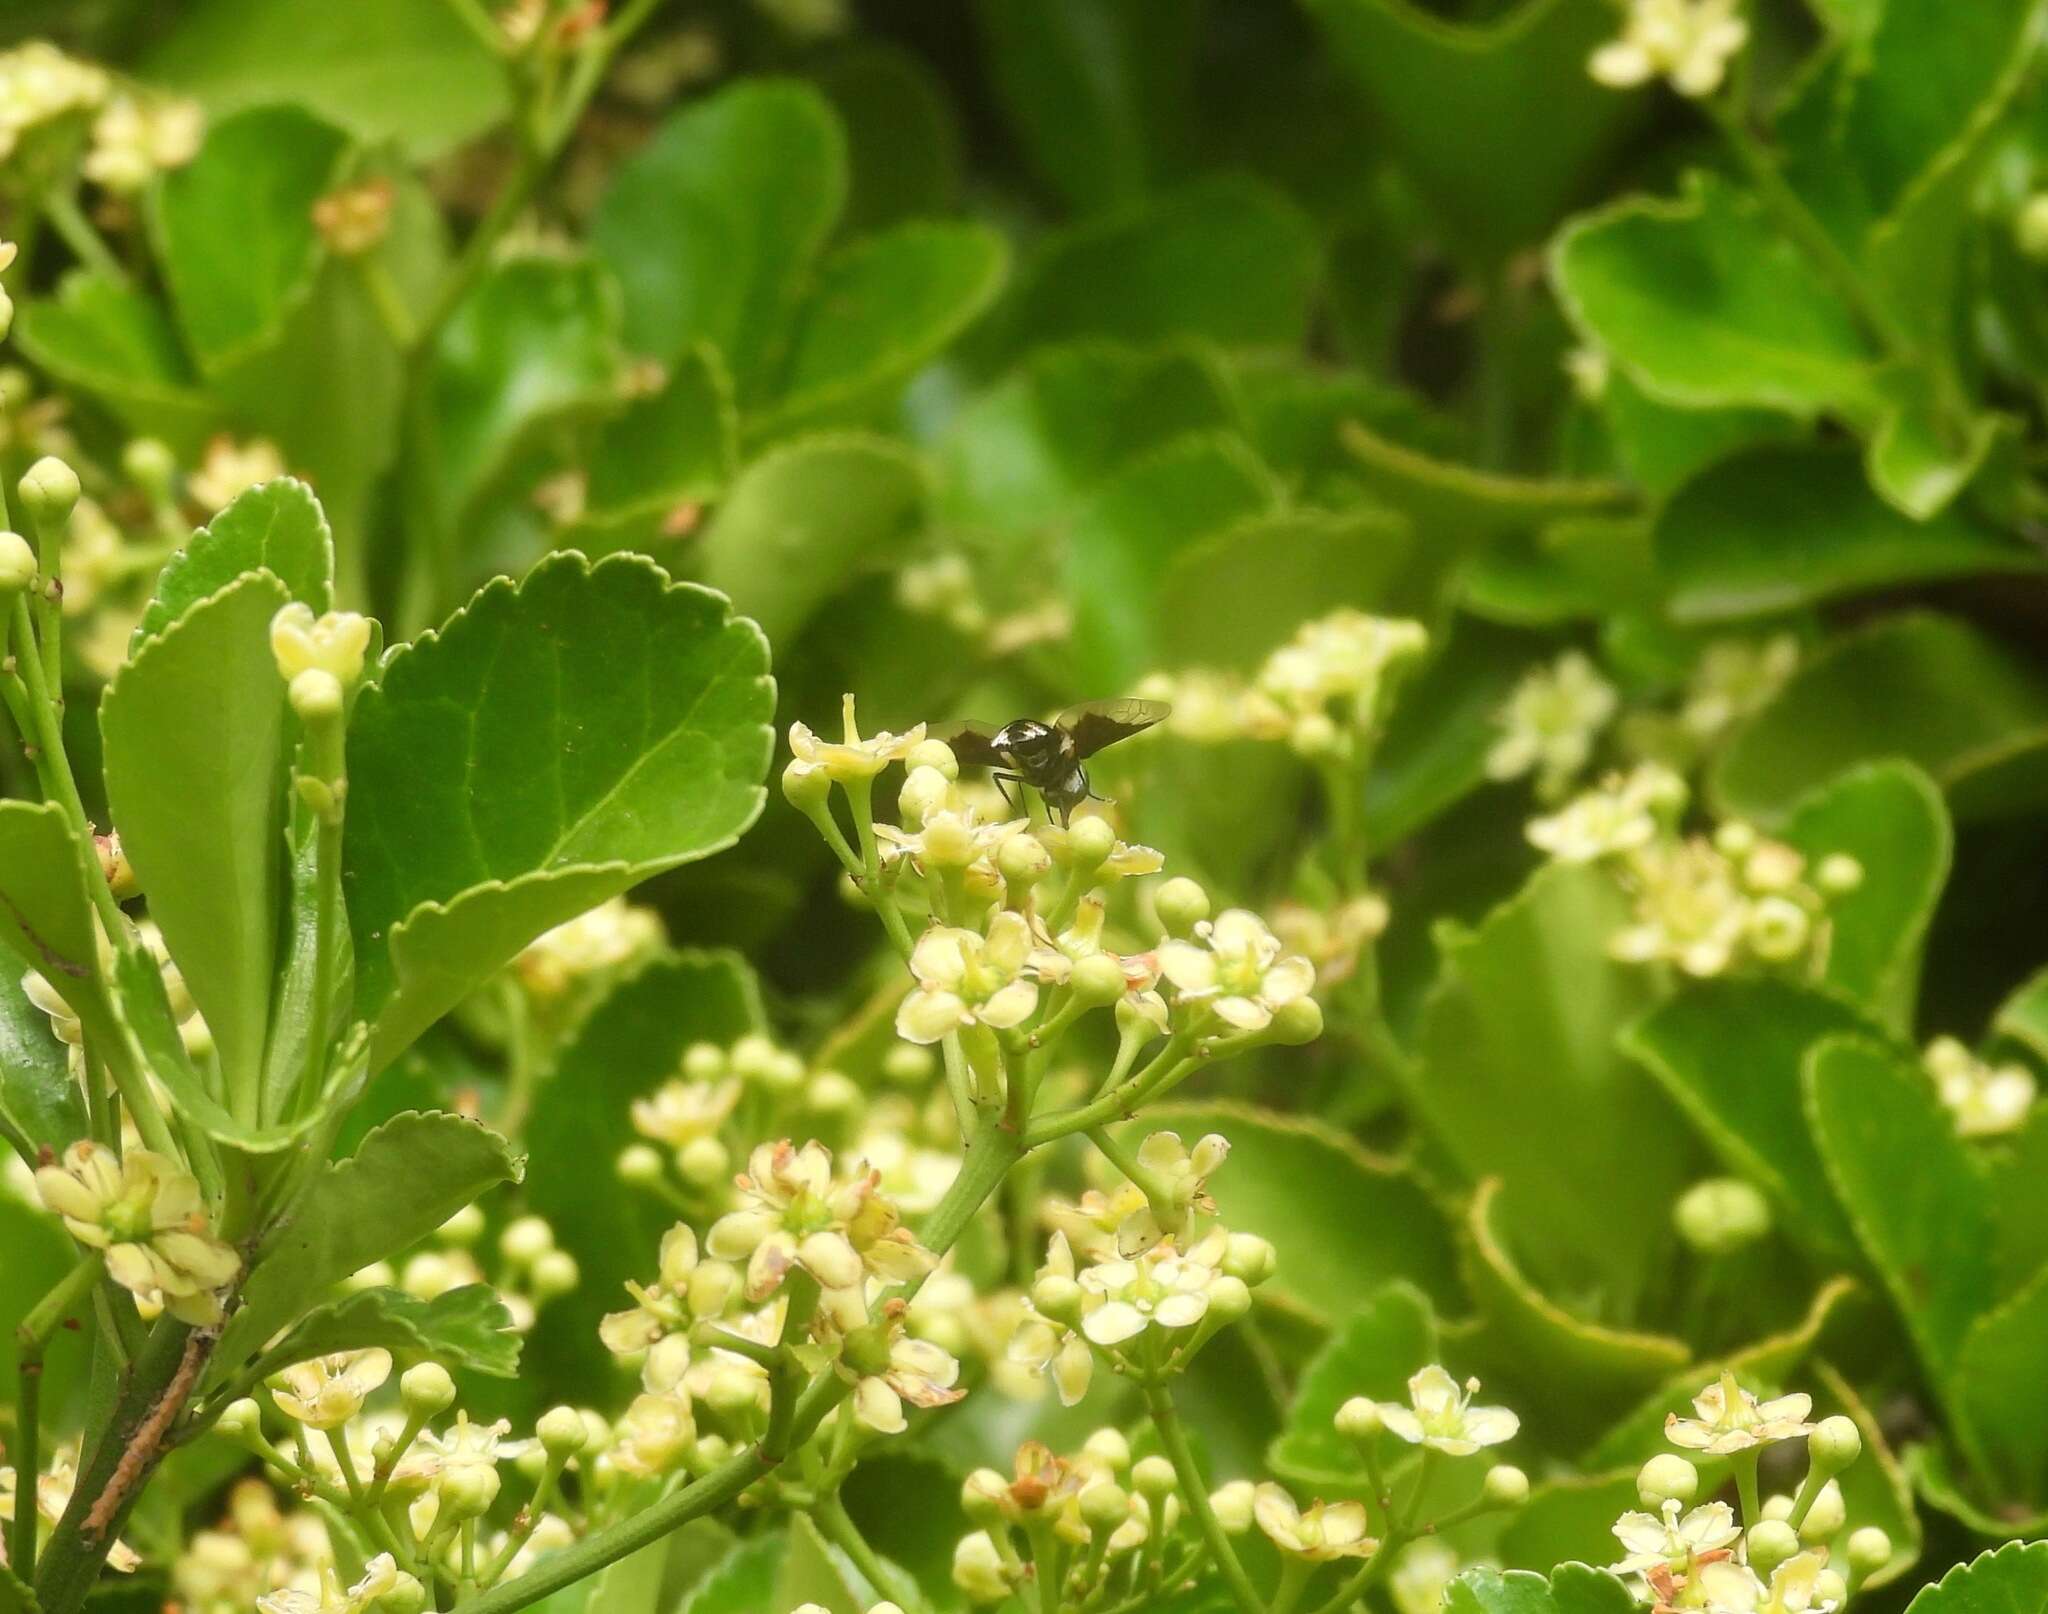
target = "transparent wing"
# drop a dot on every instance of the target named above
(971, 740)
(1095, 724)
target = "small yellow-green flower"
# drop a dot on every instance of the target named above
(1440, 1415)
(966, 978)
(145, 1211)
(851, 758)
(1731, 1419)
(1318, 1533)
(1237, 970)
(327, 1391)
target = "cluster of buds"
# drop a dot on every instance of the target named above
(1778, 1557)
(1323, 693)
(229, 468)
(1705, 903)
(592, 947)
(1097, 1523)
(1986, 1100)
(255, 1549)
(1688, 43)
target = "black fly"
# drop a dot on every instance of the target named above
(1048, 756)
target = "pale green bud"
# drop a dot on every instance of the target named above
(1297, 1022)
(935, 754)
(1667, 1477)
(704, 1062)
(1153, 1478)
(150, 465)
(1105, 1505)
(806, 788)
(1721, 1214)
(985, 1497)
(526, 1240)
(730, 1390)
(1359, 1419)
(407, 1596)
(1825, 1517)
(1090, 841)
(1778, 1507)
(1834, 1444)
(703, 1161)
(1249, 1258)
(639, 1165)
(17, 388)
(426, 1390)
(1771, 1542)
(1506, 1486)
(50, 490)
(1058, 1298)
(1108, 1445)
(467, 1490)
(2030, 229)
(464, 1228)
(317, 696)
(1181, 905)
(1830, 1590)
(6, 313)
(1229, 1298)
(555, 1273)
(562, 1432)
(242, 1419)
(1869, 1549)
(1838, 872)
(908, 1065)
(1023, 861)
(17, 565)
(1232, 1505)
(1098, 980)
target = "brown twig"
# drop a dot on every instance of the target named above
(145, 1446)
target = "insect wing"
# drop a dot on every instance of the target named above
(1095, 724)
(973, 742)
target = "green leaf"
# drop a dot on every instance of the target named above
(632, 1041)
(467, 1327)
(1875, 1488)
(198, 716)
(1574, 1371)
(1433, 751)
(383, 69)
(1930, 689)
(1730, 1052)
(1579, 568)
(678, 446)
(2019, 1209)
(1371, 1353)
(805, 518)
(1568, 1517)
(2014, 1577)
(40, 1105)
(1121, 543)
(1890, 818)
(881, 309)
(2001, 1401)
(1466, 505)
(1521, 1078)
(1226, 258)
(1703, 304)
(906, 1502)
(712, 225)
(1662, 447)
(2024, 1015)
(1914, 1193)
(745, 1582)
(554, 744)
(1571, 1589)
(1303, 1185)
(118, 344)
(1930, 1467)
(902, 139)
(234, 228)
(45, 911)
(1098, 96)
(1455, 100)
(39, 1254)
(277, 527)
(406, 1179)
(1789, 525)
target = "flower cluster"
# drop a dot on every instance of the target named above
(1551, 724)
(1985, 1100)
(610, 937)
(1687, 42)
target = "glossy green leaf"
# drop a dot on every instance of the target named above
(39, 1253)
(711, 226)
(1729, 1052)
(1121, 543)
(1663, 446)
(1099, 96)
(1226, 259)
(1371, 1353)
(882, 308)
(1930, 689)
(807, 517)
(675, 447)
(1796, 524)
(1915, 1195)
(40, 1104)
(1570, 1517)
(2013, 1577)
(1433, 751)
(2019, 1209)
(467, 1327)
(1455, 99)
(1570, 1589)
(902, 139)
(234, 228)
(2001, 1399)
(384, 69)
(1303, 1185)
(116, 344)
(45, 913)
(277, 527)
(1456, 502)
(632, 1041)
(1875, 1487)
(1931, 1468)
(1577, 568)
(554, 744)
(406, 1179)
(2024, 1015)
(744, 1582)
(1521, 1078)
(199, 715)
(1704, 304)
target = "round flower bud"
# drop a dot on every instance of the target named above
(703, 1161)
(464, 1228)
(730, 1390)
(984, 1496)
(1058, 1298)
(1105, 1505)
(936, 755)
(1023, 861)
(832, 1092)
(1506, 1486)
(1297, 1021)
(1153, 1477)
(1359, 1419)
(242, 1419)
(426, 1390)
(1229, 1298)
(555, 1273)
(1869, 1548)
(1779, 929)
(526, 1240)
(805, 788)
(50, 490)
(925, 792)
(1108, 1446)
(1721, 1214)
(317, 696)
(1830, 1590)
(1771, 1542)
(709, 1452)
(1249, 1258)
(1825, 1517)
(1090, 841)
(407, 1596)
(1838, 872)
(1667, 1477)
(6, 313)
(908, 1065)
(1232, 1505)
(711, 1288)
(1098, 980)
(2030, 228)
(1181, 905)
(1735, 838)
(17, 388)
(17, 564)
(149, 464)
(1834, 1444)
(639, 1165)
(562, 1432)
(1778, 1507)
(467, 1490)
(704, 1062)
(1314, 734)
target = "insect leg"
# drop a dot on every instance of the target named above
(1003, 781)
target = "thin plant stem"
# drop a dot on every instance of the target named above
(1195, 1492)
(33, 1337)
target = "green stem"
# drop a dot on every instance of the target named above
(32, 1337)
(1165, 1068)
(1744, 1464)
(521, 1066)
(76, 231)
(830, 1515)
(1195, 1492)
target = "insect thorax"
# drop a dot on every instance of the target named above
(1039, 751)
